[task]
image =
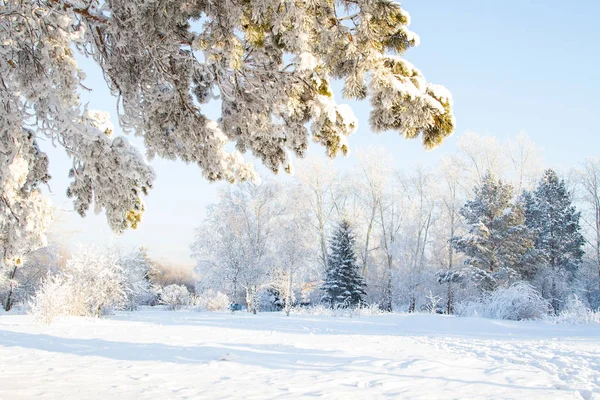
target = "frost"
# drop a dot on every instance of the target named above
(164, 66)
(99, 120)
(307, 62)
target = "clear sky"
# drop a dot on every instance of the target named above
(512, 65)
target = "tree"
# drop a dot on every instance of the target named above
(25, 213)
(319, 194)
(236, 240)
(525, 160)
(136, 268)
(450, 195)
(497, 237)
(558, 241)
(417, 187)
(374, 168)
(268, 63)
(18, 284)
(392, 217)
(292, 250)
(479, 156)
(589, 178)
(343, 286)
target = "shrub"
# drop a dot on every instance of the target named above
(576, 312)
(90, 285)
(212, 300)
(268, 299)
(320, 309)
(175, 296)
(518, 302)
(52, 299)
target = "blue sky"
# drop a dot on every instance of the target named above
(511, 66)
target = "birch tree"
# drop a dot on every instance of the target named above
(589, 178)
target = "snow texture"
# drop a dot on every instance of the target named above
(152, 354)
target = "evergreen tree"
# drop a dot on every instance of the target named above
(497, 237)
(558, 242)
(269, 64)
(344, 286)
(531, 261)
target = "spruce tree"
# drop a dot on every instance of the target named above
(558, 240)
(497, 237)
(530, 263)
(344, 286)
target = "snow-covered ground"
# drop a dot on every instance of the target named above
(157, 354)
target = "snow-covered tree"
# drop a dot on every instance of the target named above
(292, 247)
(558, 239)
(525, 161)
(234, 244)
(480, 155)
(268, 63)
(343, 285)
(392, 216)
(319, 194)
(515, 160)
(423, 203)
(451, 197)
(136, 268)
(18, 284)
(374, 169)
(497, 237)
(25, 213)
(589, 179)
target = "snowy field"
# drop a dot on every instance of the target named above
(157, 354)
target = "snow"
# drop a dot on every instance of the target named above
(159, 354)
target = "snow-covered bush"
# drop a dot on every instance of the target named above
(175, 296)
(91, 284)
(269, 300)
(322, 309)
(52, 299)
(519, 301)
(576, 312)
(98, 280)
(212, 300)
(369, 309)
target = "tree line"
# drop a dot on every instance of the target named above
(483, 219)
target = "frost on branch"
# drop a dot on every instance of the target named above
(268, 63)
(24, 212)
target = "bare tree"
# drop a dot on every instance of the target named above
(375, 166)
(451, 195)
(418, 188)
(321, 197)
(589, 179)
(526, 162)
(242, 224)
(391, 219)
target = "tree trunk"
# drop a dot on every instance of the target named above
(323, 244)
(249, 299)
(288, 299)
(387, 306)
(412, 305)
(450, 302)
(254, 300)
(9, 301)
(366, 256)
(554, 301)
